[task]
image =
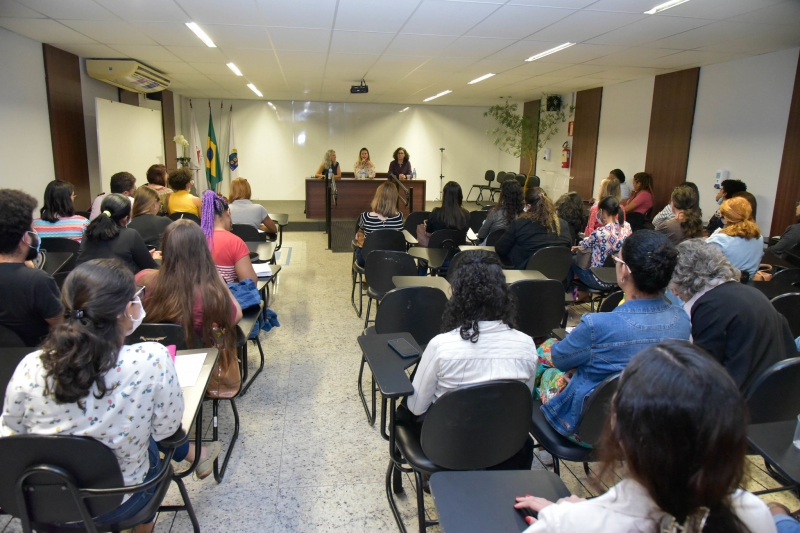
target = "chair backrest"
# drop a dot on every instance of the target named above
(774, 395)
(9, 339)
(476, 219)
(42, 465)
(11, 357)
(188, 216)
(477, 426)
(415, 219)
(248, 233)
(595, 410)
(501, 177)
(540, 305)
(553, 261)
(611, 302)
(455, 263)
(789, 306)
(534, 181)
(494, 236)
(609, 262)
(162, 333)
(381, 265)
(60, 244)
(415, 310)
(521, 179)
(60, 278)
(383, 239)
(448, 239)
(788, 276)
(489, 176)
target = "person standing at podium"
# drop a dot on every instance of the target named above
(364, 164)
(329, 162)
(401, 165)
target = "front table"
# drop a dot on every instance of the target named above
(355, 197)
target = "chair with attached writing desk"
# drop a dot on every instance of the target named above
(381, 266)
(384, 239)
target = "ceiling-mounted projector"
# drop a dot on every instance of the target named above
(359, 89)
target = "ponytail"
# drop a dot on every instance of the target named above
(214, 205)
(685, 199)
(106, 225)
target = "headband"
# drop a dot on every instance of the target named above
(107, 213)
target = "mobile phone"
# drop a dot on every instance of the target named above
(403, 348)
(529, 512)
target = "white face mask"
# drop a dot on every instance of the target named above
(138, 320)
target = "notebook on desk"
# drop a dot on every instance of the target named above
(263, 270)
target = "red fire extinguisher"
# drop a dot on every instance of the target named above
(565, 155)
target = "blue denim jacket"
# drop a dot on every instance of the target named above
(602, 344)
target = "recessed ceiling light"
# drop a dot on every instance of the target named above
(437, 95)
(551, 51)
(663, 7)
(201, 34)
(484, 77)
(405, 109)
(235, 69)
(253, 88)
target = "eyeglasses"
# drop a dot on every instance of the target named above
(139, 294)
(619, 261)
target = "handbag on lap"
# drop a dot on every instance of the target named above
(423, 237)
(583, 258)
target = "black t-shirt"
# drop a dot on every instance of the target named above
(436, 221)
(28, 296)
(128, 246)
(150, 227)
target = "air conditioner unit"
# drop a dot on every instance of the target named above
(127, 74)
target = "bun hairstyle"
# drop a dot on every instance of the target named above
(106, 225)
(214, 206)
(617, 173)
(685, 199)
(610, 205)
(57, 201)
(541, 209)
(739, 217)
(651, 259)
(688, 452)
(79, 352)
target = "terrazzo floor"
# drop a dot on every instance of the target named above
(306, 459)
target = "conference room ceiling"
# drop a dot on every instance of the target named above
(407, 50)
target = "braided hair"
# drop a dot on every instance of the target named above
(214, 205)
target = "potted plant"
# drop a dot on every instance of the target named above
(181, 141)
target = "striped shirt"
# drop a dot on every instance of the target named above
(371, 221)
(65, 227)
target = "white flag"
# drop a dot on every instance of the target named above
(233, 153)
(196, 152)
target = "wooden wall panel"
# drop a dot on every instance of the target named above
(788, 192)
(584, 141)
(67, 131)
(168, 127)
(671, 120)
(129, 97)
(530, 109)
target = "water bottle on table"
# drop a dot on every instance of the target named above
(414, 174)
(363, 174)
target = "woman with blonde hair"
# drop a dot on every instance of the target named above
(146, 205)
(740, 238)
(610, 186)
(384, 215)
(364, 164)
(243, 211)
(329, 163)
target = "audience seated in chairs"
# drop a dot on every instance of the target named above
(157, 181)
(108, 236)
(243, 211)
(229, 252)
(727, 189)
(640, 202)
(735, 323)
(384, 215)
(30, 303)
(538, 227)
(789, 239)
(83, 368)
(608, 187)
(570, 208)
(685, 220)
(667, 214)
(509, 207)
(678, 424)
(450, 215)
(123, 183)
(181, 200)
(479, 343)
(146, 221)
(57, 217)
(603, 344)
(740, 237)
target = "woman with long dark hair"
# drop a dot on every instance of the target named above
(230, 253)
(570, 208)
(509, 207)
(679, 425)
(57, 217)
(450, 215)
(687, 219)
(640, 201)
(108, 236)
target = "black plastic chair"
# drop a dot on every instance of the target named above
(540, 306)
(60, 278)
(384, 239)
(248, 233)
(447, 239)
(553, 261)
(52, 480)
(178, 215)
(611, 302)
(455, 263)
(593, 417)
(471, 428)
(534, 181)
(414, 219)
(381, 265)
(61, 244)
(774, 395)
(9, 339)
(476, 220)
(494, 236)
(489, 178)
(788, 276)
(789, 306)
(521, 179)
(501, 178)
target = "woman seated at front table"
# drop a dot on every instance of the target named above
(243, 211)
(181, 200)
(538, 227)
(509, 207)
(401, 164)
(83, 368)
(479, 343)
(602, 344)
(108, 236)
(146, 205)
(740, 237)
(57, 217)
(365, 165)
(679, 425)
(640, 201)
(329, 163)
(384, 215)
(229, 252)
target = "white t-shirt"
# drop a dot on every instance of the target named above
(144, 399)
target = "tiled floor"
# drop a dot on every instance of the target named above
(306, 459)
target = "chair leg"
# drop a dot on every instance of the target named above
(219, 471)
(420, 502)
(188, 504)
(260, 368)
(360, 294)
(369, 308)
(392, 474)
(586, 469)
(370, 416)
(556, 468)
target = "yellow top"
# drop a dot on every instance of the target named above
(181, 202)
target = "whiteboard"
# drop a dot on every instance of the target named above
(129, 138)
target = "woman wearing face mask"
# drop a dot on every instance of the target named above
(66, 387)
(108, 236)
(364, 164)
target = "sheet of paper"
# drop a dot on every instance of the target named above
(569, 329)
(263, 270)
(471, 235)
(188, 368)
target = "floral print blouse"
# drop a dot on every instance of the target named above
(144, 399)
(606, 240)
(368, 167)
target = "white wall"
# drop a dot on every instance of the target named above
(91, 89)
(26, 147)
(624, 129)
(276, 163)
(740, 125)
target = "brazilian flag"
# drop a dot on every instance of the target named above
(213, 167)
